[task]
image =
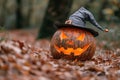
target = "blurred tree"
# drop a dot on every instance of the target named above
(21, 20)
(29, 13)
(57, 11)
(2, 12)
(19, 16)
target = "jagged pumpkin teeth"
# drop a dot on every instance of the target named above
(68, 51)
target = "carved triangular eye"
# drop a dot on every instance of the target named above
(81, 37)
(63, 36)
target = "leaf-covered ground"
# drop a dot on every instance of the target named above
(24, 58)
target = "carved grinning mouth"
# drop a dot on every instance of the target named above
(68, 51)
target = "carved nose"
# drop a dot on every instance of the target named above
(70, 42)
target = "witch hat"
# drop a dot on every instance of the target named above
(79, 18)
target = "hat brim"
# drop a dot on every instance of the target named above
(93, 32)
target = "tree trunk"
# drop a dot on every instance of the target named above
(3, 12)
(21, 20)
(57, 11)
(19, 16)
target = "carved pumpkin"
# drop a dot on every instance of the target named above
(73, 43)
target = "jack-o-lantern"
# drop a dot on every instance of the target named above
(73, 40)
(73, 43)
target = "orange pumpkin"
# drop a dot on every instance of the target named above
(73, 43)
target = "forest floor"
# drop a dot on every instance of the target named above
(22, 57)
